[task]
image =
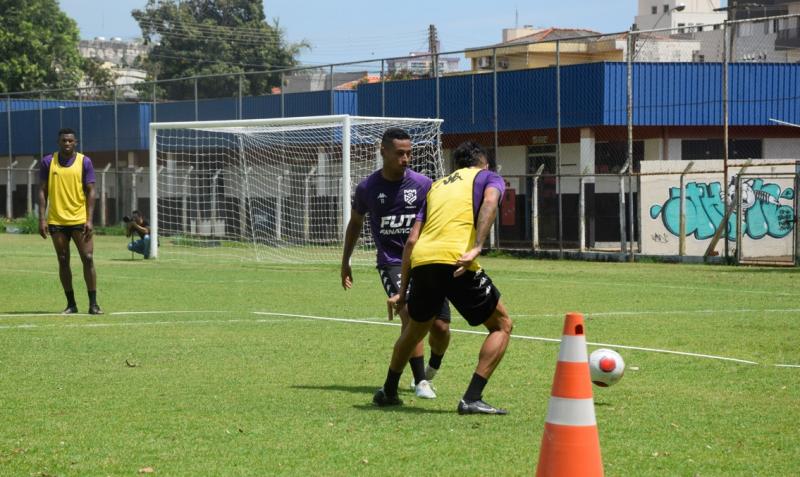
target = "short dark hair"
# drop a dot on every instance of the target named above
(63, 131)
(394, 133)
(136, 212)
(468, 154)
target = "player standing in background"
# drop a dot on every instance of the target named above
(67, 195)
(393, 196)
(439, 260)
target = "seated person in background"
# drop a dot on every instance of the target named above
(137, 224)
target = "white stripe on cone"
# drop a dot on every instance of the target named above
(573, 349)
(571, 412)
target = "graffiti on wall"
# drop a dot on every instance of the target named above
(764, 214)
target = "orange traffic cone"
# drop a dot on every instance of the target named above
(570, 443)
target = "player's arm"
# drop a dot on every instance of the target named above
(350, 238)
(88, 227)
(486, 216)
(43, 208)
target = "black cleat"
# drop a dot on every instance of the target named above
(95, 309)
(479, 407)
(381, 399)
(70, 310)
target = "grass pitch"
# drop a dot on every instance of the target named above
(207, 368)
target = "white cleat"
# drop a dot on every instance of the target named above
(424, 390)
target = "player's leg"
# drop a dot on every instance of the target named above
(478, 300)
(439, 340)
(390, 279)
(423, 303)
(60, 240)
(86, 250)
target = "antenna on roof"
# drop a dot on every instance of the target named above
(516, 17)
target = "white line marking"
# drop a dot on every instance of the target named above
(340, 320)
(590, 314)
(524, 337)
(622, 285)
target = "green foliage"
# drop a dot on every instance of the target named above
(205, 37)
(24, 225)
(40, 46)
(199, 384)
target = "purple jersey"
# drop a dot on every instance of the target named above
(392, 207)
(483, 179)
(88, 168)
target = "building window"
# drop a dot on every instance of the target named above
(654, 10)
(609, 157)
(666, 8)
(701, 149)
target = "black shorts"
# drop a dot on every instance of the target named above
(390, 279)
(472, 293)
(64, 229)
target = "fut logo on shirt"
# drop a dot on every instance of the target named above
(396, 224)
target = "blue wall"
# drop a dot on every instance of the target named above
(669, 94)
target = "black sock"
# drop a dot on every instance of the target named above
(70, 298)
(436, 360)
(475, 389)
(418, 368)
(390, 386)
(93, 297)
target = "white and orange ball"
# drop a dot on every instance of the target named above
(606, 367)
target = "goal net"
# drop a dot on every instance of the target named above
(272, 190)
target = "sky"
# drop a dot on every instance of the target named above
(354, 30)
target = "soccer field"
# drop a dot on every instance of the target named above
(209, 368)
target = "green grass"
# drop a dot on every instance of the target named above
(221, 390)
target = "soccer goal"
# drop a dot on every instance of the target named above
(272, 190)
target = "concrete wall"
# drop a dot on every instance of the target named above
(768, 230)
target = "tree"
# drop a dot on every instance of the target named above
(40, 46)
(204, 37)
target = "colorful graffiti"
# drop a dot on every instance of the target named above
(764, 215)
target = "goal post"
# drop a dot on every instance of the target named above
(273, 190)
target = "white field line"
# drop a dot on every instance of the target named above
(340, 320)
(662, 312)
(524, 337)
(621, 285)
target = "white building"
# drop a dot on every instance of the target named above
(654, 14)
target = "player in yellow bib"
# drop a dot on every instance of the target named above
(439, 260)
(67, 195)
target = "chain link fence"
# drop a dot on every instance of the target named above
(571, 117)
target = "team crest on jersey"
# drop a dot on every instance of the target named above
(382, 197)
(410, 196)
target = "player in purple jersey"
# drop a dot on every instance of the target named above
(392, 196)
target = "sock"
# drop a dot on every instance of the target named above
(70, 297)
(475, 389)
(93, 297)
(436, 360)
(390, 386)
(418, 368)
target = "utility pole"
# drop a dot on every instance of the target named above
(433, 49)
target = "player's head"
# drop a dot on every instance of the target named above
(396, 150)
(67, 140)
(136, 215)
(470, 154)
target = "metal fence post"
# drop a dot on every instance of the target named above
(41, 125)
(739, 235)
(558, 153)
(495, 124)
(725, 152)
(383, 89)
(196, 102)
(80, 119)
(629, 159)
(116, 158)
(9, 188)
(240, 115)
(333, 100)
(29, 207)
(682, 206)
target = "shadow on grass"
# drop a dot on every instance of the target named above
(405, 408)
(339, 387)
(139, 259)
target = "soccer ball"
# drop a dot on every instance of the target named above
(606, 367)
